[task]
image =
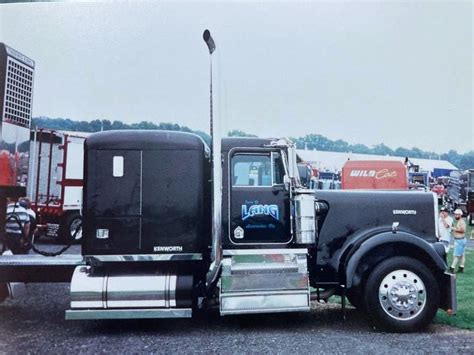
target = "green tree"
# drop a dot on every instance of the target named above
(238, 133)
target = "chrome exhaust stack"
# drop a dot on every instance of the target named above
(216, 253)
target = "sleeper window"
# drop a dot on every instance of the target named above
(117, 169)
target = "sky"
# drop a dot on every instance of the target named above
(397, 73)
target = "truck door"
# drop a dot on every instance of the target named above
(259, 204)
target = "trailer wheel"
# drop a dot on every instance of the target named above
(71, 223)
(401, 295)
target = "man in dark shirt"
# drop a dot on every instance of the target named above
(17, 228)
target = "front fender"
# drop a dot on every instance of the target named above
(399, 238)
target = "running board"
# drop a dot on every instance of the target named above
(37, 268)
(151, 313)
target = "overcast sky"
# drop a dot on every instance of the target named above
(398, 73)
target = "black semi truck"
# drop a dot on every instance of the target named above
(153, 247)
(172, 227)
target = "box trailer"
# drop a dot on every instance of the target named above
(374, 175)
(55, 181)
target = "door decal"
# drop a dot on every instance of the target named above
(239, 233)
(260, 210)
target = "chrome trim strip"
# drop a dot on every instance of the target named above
(143, 258)
(231, 252)
(128, 313)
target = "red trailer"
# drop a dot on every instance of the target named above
(55, 181)
(374, 175)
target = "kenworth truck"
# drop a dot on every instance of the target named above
(172, 227)
(152, 246)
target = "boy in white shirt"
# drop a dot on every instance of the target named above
(445, 222)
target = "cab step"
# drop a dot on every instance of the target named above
(268, 282)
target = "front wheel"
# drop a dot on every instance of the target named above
(401, 295)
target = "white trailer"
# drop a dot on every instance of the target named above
(55, 181)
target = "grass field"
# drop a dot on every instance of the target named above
(465, 291)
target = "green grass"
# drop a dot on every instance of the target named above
(465, 291)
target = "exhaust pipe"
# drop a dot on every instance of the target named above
(216, 253)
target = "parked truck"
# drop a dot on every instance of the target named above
(460, 192)
(55, 182)
(172, 227)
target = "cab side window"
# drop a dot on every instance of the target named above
(257, 169)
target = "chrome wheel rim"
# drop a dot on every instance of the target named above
(77, 223)
(402, 295)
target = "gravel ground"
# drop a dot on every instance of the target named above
(35, 324)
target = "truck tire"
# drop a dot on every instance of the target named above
(401, 295)
(70, 223)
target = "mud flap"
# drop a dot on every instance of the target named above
(4, 293)
(448, 294)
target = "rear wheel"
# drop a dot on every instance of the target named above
(401, 295)
(71, 228)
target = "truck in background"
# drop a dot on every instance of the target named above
(328, 180)
(418, 180)
(55, 182)
(374, 175)
(460, 192)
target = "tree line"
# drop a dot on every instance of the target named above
(310, 141)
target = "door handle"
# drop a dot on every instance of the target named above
(278, 188)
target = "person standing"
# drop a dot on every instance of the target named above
(445, 222)
(26, 203)
(459, 234)
(17, 229)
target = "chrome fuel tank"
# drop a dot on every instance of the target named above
(134, 290)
